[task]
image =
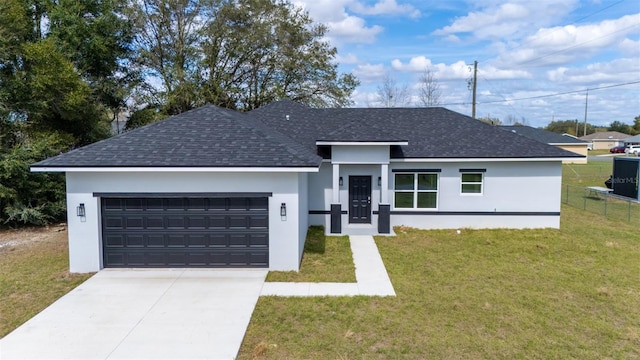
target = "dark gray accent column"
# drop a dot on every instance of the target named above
(336, 218)
(384, 219)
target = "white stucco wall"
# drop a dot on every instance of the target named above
(517, 186)
(303, 212)
(84, 234)
(528, 187)
(359, 154)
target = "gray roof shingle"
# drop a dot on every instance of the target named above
(543, 136)
(208, 136)
(284, 134)
(431, 132)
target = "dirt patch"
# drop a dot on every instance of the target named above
(16, 238)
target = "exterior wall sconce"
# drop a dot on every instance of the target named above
(340, 182)
(80, 211)
(379, 181)
(283, 211)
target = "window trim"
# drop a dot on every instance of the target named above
(415, 190)
(462, 183)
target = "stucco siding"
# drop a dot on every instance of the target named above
(532, 189)
(84, 233)
(303, 212)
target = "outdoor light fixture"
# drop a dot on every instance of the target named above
(340, 182)
(379, 181)
(283, 211)
(80, 211)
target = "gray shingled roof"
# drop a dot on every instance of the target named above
(543, 136)
(284, 134)
(208, 136)
(605, 135)
(431, 132)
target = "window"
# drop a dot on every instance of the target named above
(416, 191)
(471, 183)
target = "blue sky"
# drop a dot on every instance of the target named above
(524, 49)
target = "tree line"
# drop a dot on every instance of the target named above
(69, 69)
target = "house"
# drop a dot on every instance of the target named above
(566, 142)
(633, 140)
(605, 140)
(213, 187)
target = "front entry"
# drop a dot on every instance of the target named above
(360, 199)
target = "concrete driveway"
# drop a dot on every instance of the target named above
(143, 314)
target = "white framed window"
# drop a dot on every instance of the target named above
(415, 190)
(472, 181)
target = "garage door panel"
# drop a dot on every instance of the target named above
(155, 240)
(114, 240)
(155, 222)
(134, 222)
(185, 232)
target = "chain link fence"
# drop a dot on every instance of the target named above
(601, 202)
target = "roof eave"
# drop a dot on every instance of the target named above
(211, 169)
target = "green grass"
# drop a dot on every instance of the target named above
(32, 276)
(595, 173)
(325, 259)
(569, 293)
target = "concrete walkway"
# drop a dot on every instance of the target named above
(143, 314)
(371, 276)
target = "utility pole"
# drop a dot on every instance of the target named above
(586, 104)
(475, 81)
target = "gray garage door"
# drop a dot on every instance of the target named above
(185, 231)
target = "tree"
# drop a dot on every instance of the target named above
(239, 54)
(56, 58)
(619, 126)
(167, 45)
(389, 94)
(636, 125)
(430, 91)
(569, 127)
(64, 74)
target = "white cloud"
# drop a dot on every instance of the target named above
(349, 58)
(384, 7)
(508, 20)
(369, 73)
(344, 26)
(457, 70)
(563, 44)
(616, 71)
(630, 47)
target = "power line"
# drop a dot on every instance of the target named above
(575, 22)
(563, 93)
(576, 45)
(548, 95)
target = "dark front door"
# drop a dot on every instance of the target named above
(360, 199)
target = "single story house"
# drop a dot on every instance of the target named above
(566, 142)
(605, 140)
(633, 140)
(213, 187)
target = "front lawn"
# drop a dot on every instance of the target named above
(569, 293)
(325, 259)
(34, 272)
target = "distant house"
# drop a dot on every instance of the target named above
(605, 140)
(634, 140)
(213, 187)
(565, 142)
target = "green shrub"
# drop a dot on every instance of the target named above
(28, 198)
